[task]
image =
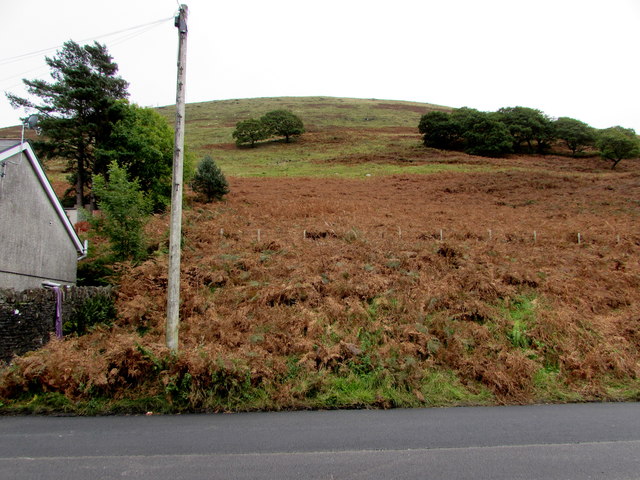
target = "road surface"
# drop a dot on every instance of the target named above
(598, 441)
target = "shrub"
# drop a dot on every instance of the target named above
(482, 133)
(209, 180)
(124, 213)
(94, 272)
(96, 310)
(439, 130)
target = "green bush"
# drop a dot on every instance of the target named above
(482, 133)
(124, 211)
(474, 132)
(209, 180)
(439, 130)
(97, 310)
(96, 272)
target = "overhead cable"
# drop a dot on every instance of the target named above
(18, 58)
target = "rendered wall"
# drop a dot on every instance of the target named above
(34, 245)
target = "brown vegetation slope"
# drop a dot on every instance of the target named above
(332, 292)
(504, 280)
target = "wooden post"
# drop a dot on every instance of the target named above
(175, 227)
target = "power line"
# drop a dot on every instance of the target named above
(25, 56)
(130, 33)
(19, 75)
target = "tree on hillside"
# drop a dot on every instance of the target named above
(482, 133)
(576, 134)
(283, 123)
(527, 125)
(618, 143)
(209, 180)
(250, 131)
(439, 130)
(141, 142)
(78, 109)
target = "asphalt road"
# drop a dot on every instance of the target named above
(587, 441)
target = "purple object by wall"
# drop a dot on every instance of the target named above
(58, 293)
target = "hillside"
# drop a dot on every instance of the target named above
(366, 270)
(339, 131)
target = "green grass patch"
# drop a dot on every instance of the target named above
(522, 314)
(307, 166)
(622, 390)
(550, 386)
(443, 388)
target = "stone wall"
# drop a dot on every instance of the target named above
(27, 318)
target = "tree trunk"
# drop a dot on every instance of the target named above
(80, 184)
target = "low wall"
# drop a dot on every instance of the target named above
(27, 318)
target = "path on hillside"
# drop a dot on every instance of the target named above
(522, 442)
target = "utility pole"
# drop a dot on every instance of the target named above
(175, 226)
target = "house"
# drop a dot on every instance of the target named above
(38, 244)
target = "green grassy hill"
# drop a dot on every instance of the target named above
(213, 122)
(339, 131)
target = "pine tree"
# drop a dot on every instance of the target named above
(78, 108)
(209, 180)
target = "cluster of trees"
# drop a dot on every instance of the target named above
(85, 117)
(125, 207)
(277, 123)
(120, 155)
(522, 130)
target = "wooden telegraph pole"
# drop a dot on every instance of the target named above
(175, 227)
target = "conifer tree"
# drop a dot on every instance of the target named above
(78, 109)
(209, 180)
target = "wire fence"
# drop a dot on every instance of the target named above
(533, 237)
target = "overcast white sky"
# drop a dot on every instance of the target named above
(576, 58)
